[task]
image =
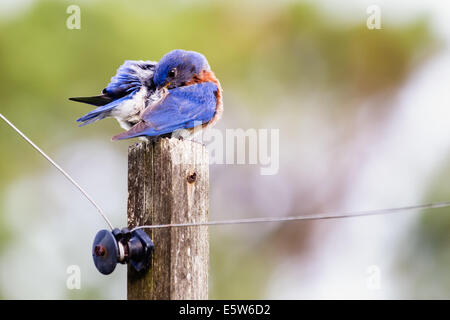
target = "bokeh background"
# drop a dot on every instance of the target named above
(364, 119)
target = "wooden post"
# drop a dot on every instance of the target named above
(168, 182)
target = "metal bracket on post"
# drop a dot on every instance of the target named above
(122, 246)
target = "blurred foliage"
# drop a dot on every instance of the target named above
(238, 270)
(260, 51)
(424, 255)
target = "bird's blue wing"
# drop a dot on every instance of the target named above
(128, 80)
(129, 77)
(183, 107)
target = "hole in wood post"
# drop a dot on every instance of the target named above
(192, 177)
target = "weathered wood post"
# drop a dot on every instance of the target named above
(168, 182)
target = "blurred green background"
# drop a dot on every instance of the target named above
(364, 123)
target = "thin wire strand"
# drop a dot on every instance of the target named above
(60, 169)
(323, 216)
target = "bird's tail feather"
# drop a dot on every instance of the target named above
(135, 131)
(92, 119)
(100, 100)
(102, 111)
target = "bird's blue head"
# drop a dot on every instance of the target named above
(178, 67)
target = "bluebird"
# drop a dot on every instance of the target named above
(184, 98)
(130, 91)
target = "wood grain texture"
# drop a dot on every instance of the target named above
(168, 182)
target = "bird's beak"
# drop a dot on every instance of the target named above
(168, 84)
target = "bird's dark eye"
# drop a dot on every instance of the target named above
(172, 73)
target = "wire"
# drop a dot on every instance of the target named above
(60, 169)
(323, 216)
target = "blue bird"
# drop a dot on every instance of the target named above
(178, 96)
(125, 97)
(189, 98)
